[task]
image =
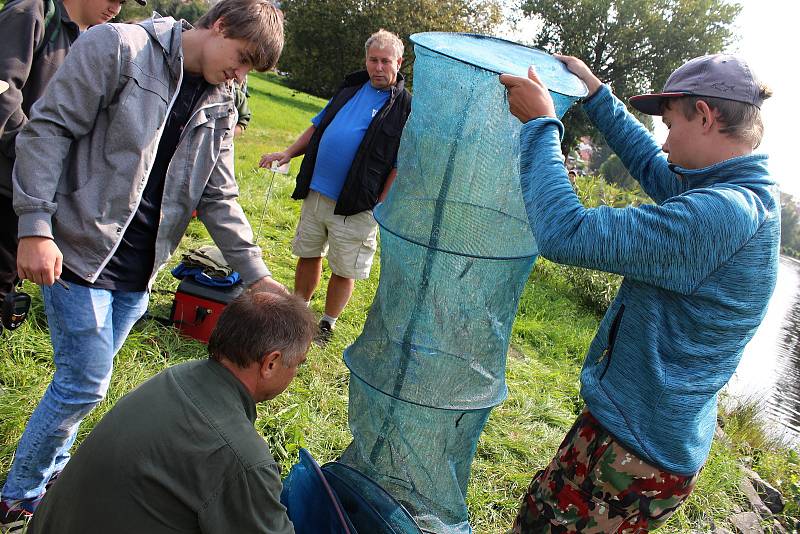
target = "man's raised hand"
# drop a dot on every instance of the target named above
(528, 98)
(579, 69)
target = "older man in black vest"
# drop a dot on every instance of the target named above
(350, 163)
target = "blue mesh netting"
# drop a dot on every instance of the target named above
(312, 504)
(367, 504)
(456, 251)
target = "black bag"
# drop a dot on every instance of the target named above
(14, 308)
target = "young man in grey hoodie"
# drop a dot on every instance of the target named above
(43, 32)
(133, 134)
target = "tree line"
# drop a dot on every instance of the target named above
(631, 44)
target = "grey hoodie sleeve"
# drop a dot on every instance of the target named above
(23, 28)
(225, 220)
(85, 83)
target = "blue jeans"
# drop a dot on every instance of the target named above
(87, 328)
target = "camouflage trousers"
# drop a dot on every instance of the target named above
(595, 486)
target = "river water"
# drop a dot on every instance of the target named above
(769, 371)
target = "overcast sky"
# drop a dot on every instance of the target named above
(770, 32)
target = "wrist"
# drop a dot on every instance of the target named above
(593, 84)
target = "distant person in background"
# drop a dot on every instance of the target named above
(350, 151)
(37, 34)
(240, 99)
(699, 265)
(179, 453)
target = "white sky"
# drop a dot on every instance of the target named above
(769, 33)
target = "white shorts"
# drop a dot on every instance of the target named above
(353, 239)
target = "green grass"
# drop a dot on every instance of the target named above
(553, 329)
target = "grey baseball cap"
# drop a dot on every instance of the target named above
(717, 75)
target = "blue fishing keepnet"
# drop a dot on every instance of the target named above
(456, 252)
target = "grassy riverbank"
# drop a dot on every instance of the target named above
(558, 314)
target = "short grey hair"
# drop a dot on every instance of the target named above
(259, 322)
(385, 39)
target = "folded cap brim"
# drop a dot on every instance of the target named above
(650, 104)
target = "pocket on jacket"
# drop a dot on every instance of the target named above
(392, 129)
(387, 142)
(138, 112)
(200, 150)
(608, 352)
(151, 85)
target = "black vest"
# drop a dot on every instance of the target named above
(376, 154)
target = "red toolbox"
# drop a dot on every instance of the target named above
(196, 308)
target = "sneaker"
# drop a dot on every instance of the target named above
(324, 334)
(15, 515)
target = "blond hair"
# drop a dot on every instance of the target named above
(385, 39)
(259, 22)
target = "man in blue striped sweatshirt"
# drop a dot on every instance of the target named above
(699, 264)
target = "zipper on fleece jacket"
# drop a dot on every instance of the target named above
(612, 338)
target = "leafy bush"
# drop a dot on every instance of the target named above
(594, 191)
(781, 467)
(595, 289)
(189, 10)
(614, 172)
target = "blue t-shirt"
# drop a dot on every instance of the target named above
(342, 137)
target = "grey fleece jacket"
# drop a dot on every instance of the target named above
(26, 72)
(84, 158)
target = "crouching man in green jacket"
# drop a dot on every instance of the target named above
(179, 453)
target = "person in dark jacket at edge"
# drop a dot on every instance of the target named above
(350, 163)
(38, 35)
(700, 265)
(179, 453)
